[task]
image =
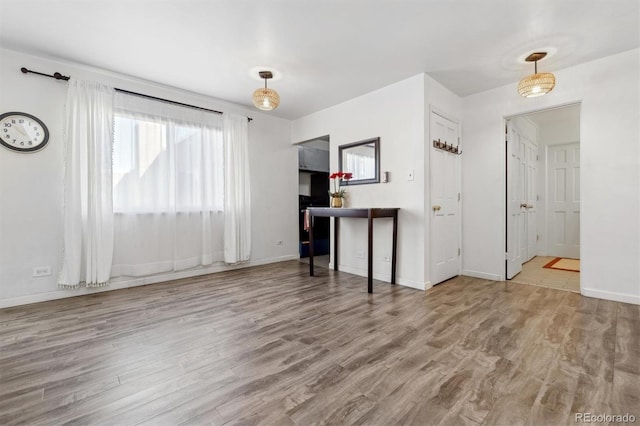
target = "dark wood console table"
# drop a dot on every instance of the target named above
(368, 213)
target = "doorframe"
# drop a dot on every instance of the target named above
(505, 210)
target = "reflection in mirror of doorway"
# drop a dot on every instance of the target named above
(543, 200)
(313, 191)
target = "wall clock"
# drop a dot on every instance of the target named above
(22, 132)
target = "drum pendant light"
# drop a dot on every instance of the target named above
(537, 84)
(266, 99)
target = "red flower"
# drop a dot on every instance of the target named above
(333, 176)
(348, 176)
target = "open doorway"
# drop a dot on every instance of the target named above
(543, 198)
(313, 191)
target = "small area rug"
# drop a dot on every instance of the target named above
(564, 264)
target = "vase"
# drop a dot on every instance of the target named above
(336, 202)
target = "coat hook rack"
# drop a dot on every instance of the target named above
(454, 149)
(55, 75)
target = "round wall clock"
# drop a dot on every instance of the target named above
(22, 132)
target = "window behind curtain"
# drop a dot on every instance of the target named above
(168, 187)
(162, 165)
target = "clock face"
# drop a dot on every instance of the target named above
(22, 132)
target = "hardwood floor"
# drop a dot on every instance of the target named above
(271, 345)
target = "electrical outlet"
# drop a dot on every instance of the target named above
(41, 271)
(279, 243)
(359, 254)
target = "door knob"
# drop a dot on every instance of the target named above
(436, 208)
(523, 205)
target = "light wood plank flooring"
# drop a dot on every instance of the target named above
(270, 345)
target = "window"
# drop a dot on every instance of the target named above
(160, 165)
(168, 187)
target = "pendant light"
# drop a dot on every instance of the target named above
(266, 99)
(537, 84)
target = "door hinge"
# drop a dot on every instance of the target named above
(537, 237)
(458, 196)
(506, 256)
(537, 197)
(537, 158)
(458, 252)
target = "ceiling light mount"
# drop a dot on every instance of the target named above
(537, 84)
(535, 56)
(264, 98)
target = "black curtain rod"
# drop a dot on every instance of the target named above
(59, 76)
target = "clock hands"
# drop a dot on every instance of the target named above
(21, 130)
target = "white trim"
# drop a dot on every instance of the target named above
(610, 295)
(386, 277)
(483, 275)
(122, 283)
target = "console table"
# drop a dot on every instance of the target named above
(367, 213)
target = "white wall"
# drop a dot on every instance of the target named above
(610, 161)
(31, 184)
(399, 115)
(560, 132)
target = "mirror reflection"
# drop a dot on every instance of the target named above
(362, 159)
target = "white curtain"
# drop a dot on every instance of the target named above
(237, 195)
(168, 187)
(360, 161)
(88, 209)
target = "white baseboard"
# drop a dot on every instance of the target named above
(610, 295)
(383, 277)
(121, 283)
(483, 275)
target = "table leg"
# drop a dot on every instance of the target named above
(370, 255)
(311, 246)
(394, 249)
(336, 232)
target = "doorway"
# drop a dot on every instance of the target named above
(543, 198)
(313, 191)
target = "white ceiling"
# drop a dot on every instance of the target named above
(569, 115)
(323, 52)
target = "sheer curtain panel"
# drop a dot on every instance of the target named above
(237, 191)
(88, 208)
(168, 183)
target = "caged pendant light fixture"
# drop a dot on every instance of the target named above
(537, 84)
(266, 99)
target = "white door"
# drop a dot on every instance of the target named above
(515, 208)
(563, 211)
(530, 193)
(522, 195)
(445, 201)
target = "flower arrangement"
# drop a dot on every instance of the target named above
(335, 177)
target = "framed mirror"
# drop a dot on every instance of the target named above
(362, 160)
